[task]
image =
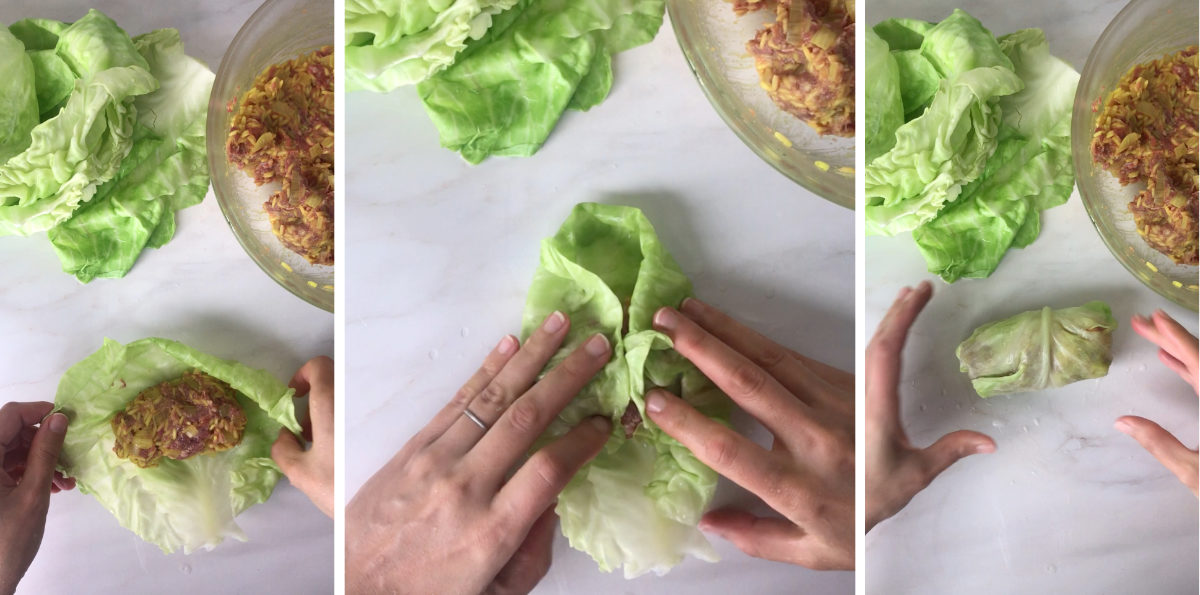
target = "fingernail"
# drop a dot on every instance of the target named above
(655, 402)
(600, 423)
(57, 423)
(506, 345)
(665, 319)
(1123, 426)
(596, 346)
(690, 305)
(708, 527)
(985, 448)
(554, 322)
(904, 291)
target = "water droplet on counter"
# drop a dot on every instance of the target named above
(433, 354)
(997, 424)
(1024, 429)
(1141, 367)
(1050, 568)
(923, 407)
(186, 569)
(466, 332)
(1036, 422)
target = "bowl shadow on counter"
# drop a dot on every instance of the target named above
(802, 322)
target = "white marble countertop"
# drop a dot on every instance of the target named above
(441, 254)
(201, 289)
(1067, 504)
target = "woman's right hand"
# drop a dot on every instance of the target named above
(807, 476)
(1178, 350)
(448, 514)
(897, 470)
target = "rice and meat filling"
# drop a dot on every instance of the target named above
(282, 132)
(1147, 133)
(805, 60)
(177, 419)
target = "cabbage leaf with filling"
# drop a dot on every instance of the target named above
(178, 505)
(1039, 349)
(636, 505)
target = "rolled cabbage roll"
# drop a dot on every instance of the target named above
(1039, 349)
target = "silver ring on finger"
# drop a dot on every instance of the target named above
(475, 418)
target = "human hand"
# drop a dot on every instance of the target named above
(896, 470)
(1178, 350)
(311, 471)
(30, 455)
(445, 515)
(807, 475)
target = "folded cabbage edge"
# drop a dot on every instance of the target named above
(1039, 349)
(636, 505)
(178, 505)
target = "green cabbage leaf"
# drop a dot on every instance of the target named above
(393, 43)
(938, 152)
(1029, 172)
(1039, 349)
(495, 76)
(178, 505)
(636, 505)
(165, 171)
(18, 96)
(984, 147)
(883, 95)
(505, 94)
(117, 143)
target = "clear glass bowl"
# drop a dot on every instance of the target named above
(714, 41)
(278, 31)
(1142, 31)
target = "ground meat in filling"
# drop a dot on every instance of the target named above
(177, 419)
(805, 60)
(282, 131)
(1147, 133)
(631, 419)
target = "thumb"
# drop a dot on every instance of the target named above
(952, 447)
(530, 563)
(1169, 451)
(43, 454)
(762, 537)
(286, 451)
